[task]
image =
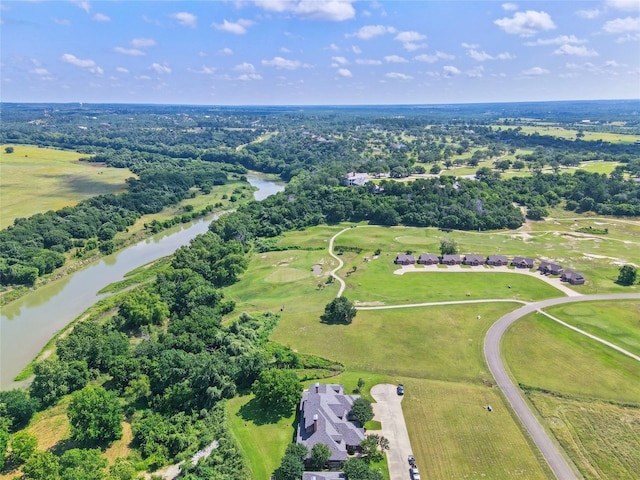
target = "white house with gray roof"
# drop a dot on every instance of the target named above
(324, 418)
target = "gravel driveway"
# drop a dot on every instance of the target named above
(388, 411)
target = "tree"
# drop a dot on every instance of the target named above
(292, 464)
(502, 164)
(142, 307)
(23, 445)
(95, 417)
(360, 384)
(537, 213)
(42, 466)
(372, 447)
(356, 469)
(320, 454)
(361, 410)
(278, 389)
(8, 149)
(339, 310)
(122, 470)
(448, 246)
(627, 276)
(20, 407)
(83, 464)
(4, 435)
(435, 169)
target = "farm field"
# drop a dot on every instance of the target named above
(561, 132)
(36, 180)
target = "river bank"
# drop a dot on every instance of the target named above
(29, 323)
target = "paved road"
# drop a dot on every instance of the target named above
(552, 455)
(388, 411)
(340, 263)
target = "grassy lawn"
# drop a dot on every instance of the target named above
(251, 427)
(454, 436)
(616, 322)
(601, 438)
(544, 354)
(60, 177)
(561, 132)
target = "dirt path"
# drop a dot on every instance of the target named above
(388, 411)
(340, 263)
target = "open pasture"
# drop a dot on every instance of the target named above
(543, 354)
(616, 322)
(601, 438)
(570, 134)
(36, 180)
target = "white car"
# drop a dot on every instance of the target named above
(415, 475)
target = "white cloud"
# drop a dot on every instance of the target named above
(410, 36)
(330, 10)
(481, 56)
(237, 28)
(283, 64)
(62, 21)
(535, 71)
(340, 60)
(475, 72)
(509, 6)
(160, 68)
(365, 61)
(622, 25)
(470, 45)
(580, 51)
(142, 42)
(245, 67)
(395, 59)
(398, 76)
(411, 46)
(526, 23)
(87, 64)
(134, 52)
(589, 14)
(101, 17)
(450, 70)
(370, 31)
(142, 77)
(356, 49)
(334, 47)
(204, 70)
(83, 4)
(561, 40)
(344, 72)
(627, 5)
(245, 77)
(225, 51)
(122, 70)
(433, 58)
(41, 71)
(284, 50)
(185, 19)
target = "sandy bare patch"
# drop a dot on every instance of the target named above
(357, 303)
(316, 269)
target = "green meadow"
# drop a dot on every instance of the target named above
(567, 133)
(36, 180)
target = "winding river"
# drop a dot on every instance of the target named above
(27, 324)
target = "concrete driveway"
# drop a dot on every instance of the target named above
(388, 411)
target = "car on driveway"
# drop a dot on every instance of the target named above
(400, 389)
(415, 475)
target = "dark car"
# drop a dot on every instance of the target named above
(401, 389)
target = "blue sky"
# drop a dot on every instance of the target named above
(318, 52)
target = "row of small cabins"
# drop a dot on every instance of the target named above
(545, 268)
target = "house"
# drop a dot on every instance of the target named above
(573, 278)
(473, 260)
(405, 260)
(497, 260)
(428, 259)
(354, 179)
(522, 262)
(548, 268)
(451, 260)
(323, 476)
(324, 418)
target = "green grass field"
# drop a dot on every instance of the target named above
(35, 180)
(602, 439)
(543, 354)
(561, 132)
(616, 322)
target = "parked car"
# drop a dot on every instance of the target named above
(400, 389)
(412, 461)
(415, 474)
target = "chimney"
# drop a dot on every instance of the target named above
(317, 387)
(315, 423)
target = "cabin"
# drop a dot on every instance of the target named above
(451, 260)
(473, 260)
(428, 259)
(325, 418)
(497, 260)
(405, 260)
(574, 278)
(548, 268)
(522, 262)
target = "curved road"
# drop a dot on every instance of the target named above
(552, 455)
(340, 263)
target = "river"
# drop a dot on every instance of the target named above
(27, 324)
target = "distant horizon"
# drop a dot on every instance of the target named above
(322, 52)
